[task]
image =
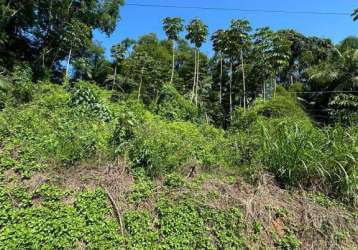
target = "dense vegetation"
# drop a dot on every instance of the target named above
(163, 147)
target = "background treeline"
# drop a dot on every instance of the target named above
(53, 40)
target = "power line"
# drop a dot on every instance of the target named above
(322, 92)
(240, 10)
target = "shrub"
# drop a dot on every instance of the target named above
(288, 242)
(296, 87)
(173, 106)
(129, 117)
(183, 218)
(140, 228)
(29, 131)
(174, 180)
(86, 100)
(344, 109)
(162, 146)
(282, 106)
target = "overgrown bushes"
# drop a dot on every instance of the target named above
(278, 137)
(49, 130)
(173, 106)
(161, 146)
(66, 127)
(282, 106)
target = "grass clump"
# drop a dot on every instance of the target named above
(302, 155)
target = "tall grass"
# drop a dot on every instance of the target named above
(302, 155)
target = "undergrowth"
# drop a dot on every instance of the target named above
(61, 127)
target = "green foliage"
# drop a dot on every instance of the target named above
(344, 108)
(173, 106)
(29, 142)
(174, 180)
(86, 100)
(22, 93)
(67, 30)
(140, 229)
(184, 219)
(161, 146)
(172, 26)
(226, 226)
(141, 190)
(55, 225)
(49, 193)
(288, 152)
(21, 89)
(98, 231)
(300, 154)
(296, 87)
(282, 106)
(288, 242)
(197, 32)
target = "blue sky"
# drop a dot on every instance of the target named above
(137, 21)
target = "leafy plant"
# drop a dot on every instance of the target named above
(87, 101)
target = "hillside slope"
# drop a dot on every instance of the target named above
(80, 169)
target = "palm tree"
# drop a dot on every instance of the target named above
(339, 73)
(197, 33)
(172, 27)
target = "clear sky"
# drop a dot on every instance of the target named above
(137, 21)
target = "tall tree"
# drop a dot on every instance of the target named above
(119, 53)
(197, 33)
(239, 42)
(34, 30)
(172, 27)
(218, 40)
(76, 36)
(279, 58)
(273, 51)
(262, 50)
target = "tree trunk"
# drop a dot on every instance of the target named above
(197, 78)
(274, 86)
(43, 60)
(68, 62)
(264, 90)
(221, 78)
(230, 89)
(193, 90)
(141, 82)
(114, 76)
(243, 77)
(173, 62)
